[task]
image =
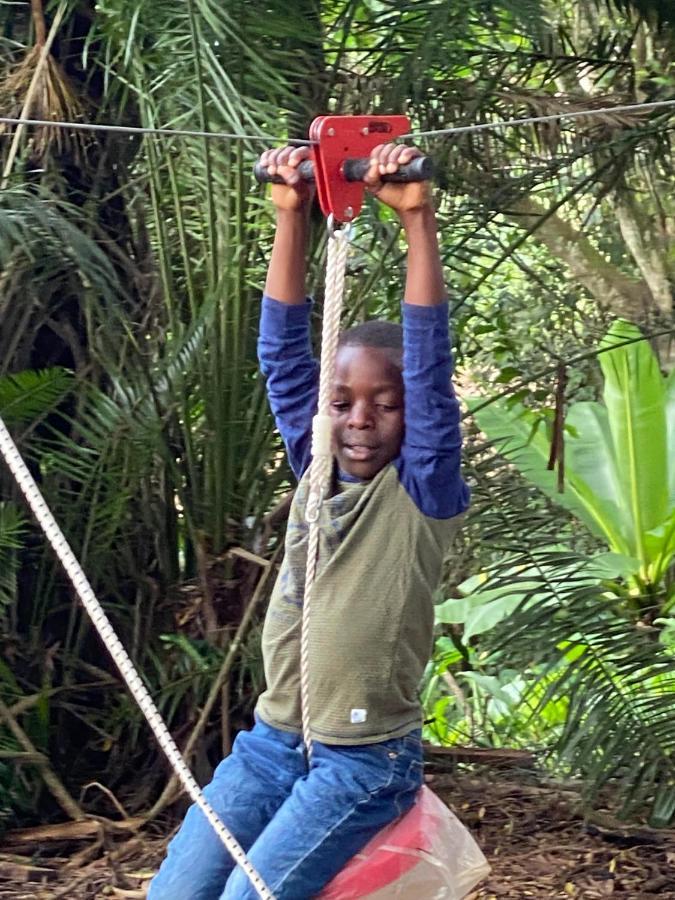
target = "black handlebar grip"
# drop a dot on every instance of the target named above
(419, 169)
(305, 171)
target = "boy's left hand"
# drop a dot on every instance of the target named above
(403, 197)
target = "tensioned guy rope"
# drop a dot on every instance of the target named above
(84, 591)
(320, 476)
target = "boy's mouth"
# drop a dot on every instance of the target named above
(359, 452)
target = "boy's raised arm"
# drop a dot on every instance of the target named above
(414, 205)
(288, 265)
(284, 348)
(429, 463)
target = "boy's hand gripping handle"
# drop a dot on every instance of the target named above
(340, 159)
(354, 170)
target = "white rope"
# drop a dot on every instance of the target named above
(121, 658)
(321, 471)
(534, 120)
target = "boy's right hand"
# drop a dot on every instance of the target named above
(295, 194)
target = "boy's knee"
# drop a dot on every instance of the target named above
(239, 887)
(179, 885)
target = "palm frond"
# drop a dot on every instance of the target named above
(26, 395)
(585, 640)
(12, 531)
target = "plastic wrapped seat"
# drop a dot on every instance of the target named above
(427, 854)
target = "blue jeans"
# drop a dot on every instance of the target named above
(298, 827)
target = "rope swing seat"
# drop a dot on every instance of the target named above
(427, 853)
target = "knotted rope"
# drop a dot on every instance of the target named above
(321, 470)
(128, 671)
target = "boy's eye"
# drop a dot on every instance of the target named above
(339, 404)
(387, 407)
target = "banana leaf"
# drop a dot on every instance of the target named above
(518, 434)
(620, 469)
(670, 426)
(593, 475)
(634, 396)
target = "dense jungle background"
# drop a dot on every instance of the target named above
(130, 273)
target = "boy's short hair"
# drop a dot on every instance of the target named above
(375, 333)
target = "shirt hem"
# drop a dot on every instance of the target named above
(345, 740)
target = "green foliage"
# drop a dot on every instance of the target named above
(660, 11)
(164, 454)
(564, 668)
(506, 703)
(619, 462)
(12, 529)
(26, 396)
(46, 253)
(592, 658)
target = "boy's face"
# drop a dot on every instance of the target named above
(367, 409)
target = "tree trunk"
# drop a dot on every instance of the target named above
(647, 250)
(39, 23)
(611, 288)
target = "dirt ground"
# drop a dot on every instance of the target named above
(534, 836)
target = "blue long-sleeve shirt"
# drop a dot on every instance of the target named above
(428, 464)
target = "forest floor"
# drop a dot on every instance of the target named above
(534, 836)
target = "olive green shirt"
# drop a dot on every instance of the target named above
(372, 618)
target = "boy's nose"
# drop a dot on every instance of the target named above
(360, 416)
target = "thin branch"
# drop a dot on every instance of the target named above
(49, 776)
(168, 794)
(570, 361)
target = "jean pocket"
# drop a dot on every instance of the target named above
(415, 774)
(413, 743)
(408, 747)
(408, 785)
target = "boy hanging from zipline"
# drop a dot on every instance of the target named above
(385, 529)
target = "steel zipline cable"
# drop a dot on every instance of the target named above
(267, 139)
(537, 120)
(155, 132)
